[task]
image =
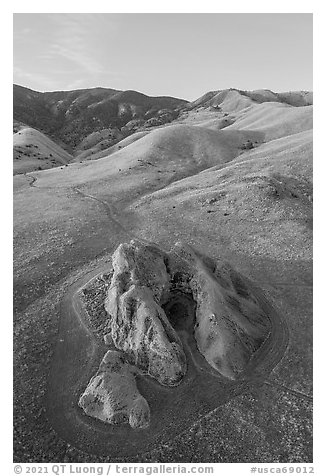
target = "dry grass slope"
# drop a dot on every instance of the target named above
(35, 151)
(196, 182)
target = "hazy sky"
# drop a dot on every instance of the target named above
(182, 55)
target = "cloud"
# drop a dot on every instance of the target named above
(76, 53)
(41, 81)
(64, 50)
(76, 37)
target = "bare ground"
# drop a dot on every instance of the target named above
(67, 222)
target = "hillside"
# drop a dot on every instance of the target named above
(231, 177)
(235, 99)
(34, 151)
(274, 120)
(91, 123)
(71, 116)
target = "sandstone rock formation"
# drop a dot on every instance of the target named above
(112, 395)
(229, 325)
(138, 324)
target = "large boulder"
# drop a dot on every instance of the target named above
(138, 324)
(230, 324)
(112, 395)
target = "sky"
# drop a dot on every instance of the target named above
(182, 55)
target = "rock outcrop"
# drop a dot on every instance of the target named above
(138, 324)
(229, 327)
(112, 395)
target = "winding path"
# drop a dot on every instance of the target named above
(109, 208)
(78, 353)
(203, 389)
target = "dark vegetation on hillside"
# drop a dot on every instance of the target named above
(78, 120)
(70, 116)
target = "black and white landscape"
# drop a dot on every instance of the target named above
(162, 276)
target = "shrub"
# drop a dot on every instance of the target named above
(248, 145)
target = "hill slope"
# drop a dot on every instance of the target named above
(88, 122)
(72, 115)
(231, 100)
(34, 151)
(274, 120)
(199, 183)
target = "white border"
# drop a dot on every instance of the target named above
(167, 6)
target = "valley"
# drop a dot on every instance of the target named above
(230, 175)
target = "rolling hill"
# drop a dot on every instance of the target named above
(231, 176)
(35, 151)
(71, 116)
(88, 123)
(235, 99)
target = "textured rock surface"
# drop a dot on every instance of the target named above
(112, 395)
(230, 326)
(139, 325)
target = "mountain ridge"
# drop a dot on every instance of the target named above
(71, 115)
(87, 123)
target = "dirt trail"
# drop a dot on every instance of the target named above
(274, 347)
(109, 208)
(77, 356)
(296, 393)
(112, 214)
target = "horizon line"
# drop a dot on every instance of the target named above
(160, 96)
